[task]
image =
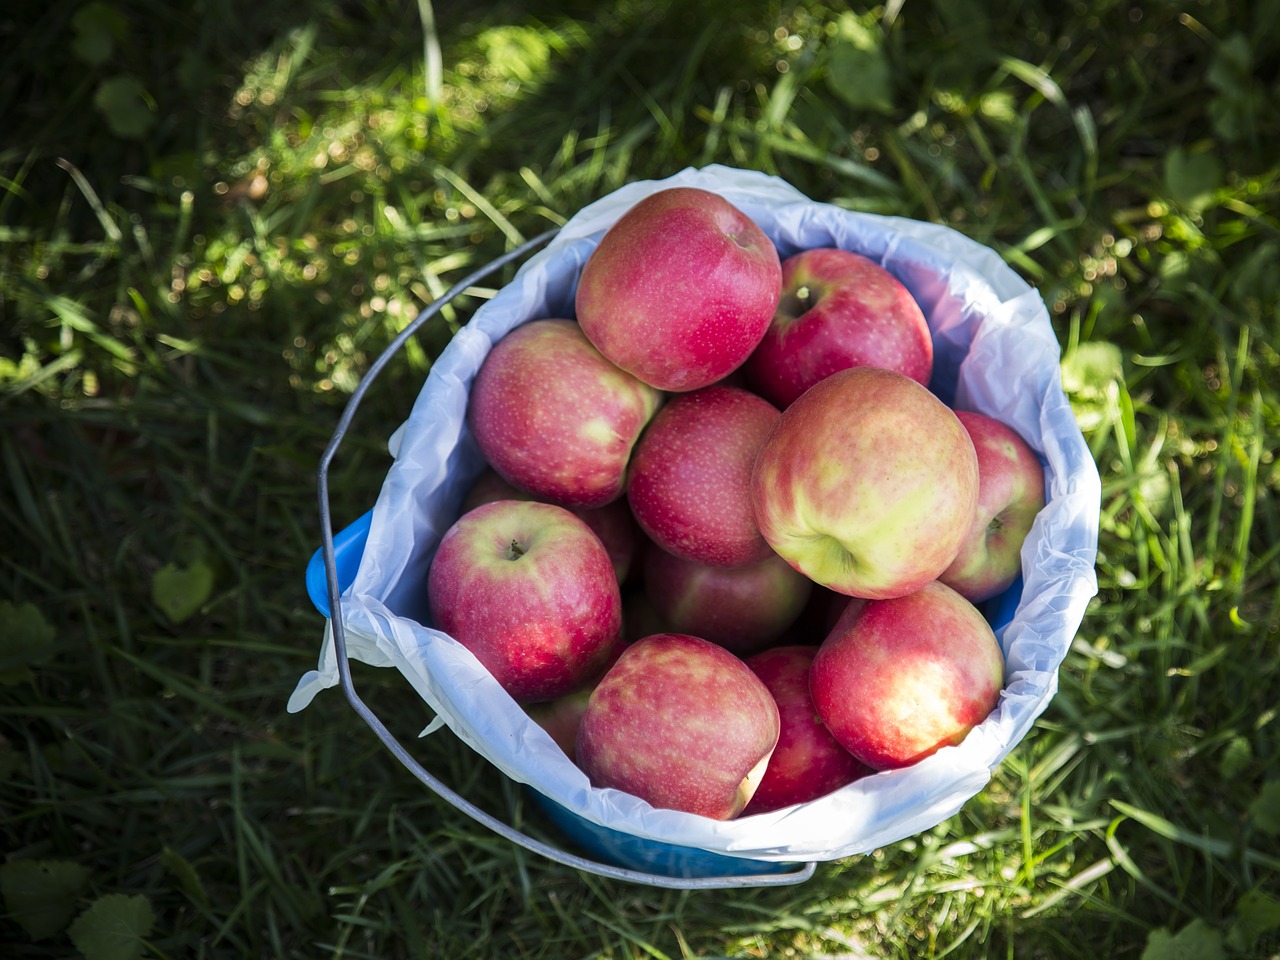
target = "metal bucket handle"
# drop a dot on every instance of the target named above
(388, 739)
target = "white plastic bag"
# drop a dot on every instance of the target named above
(995, 352)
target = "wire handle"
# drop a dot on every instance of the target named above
(372, 720)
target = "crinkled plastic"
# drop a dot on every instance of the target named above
(995, 352)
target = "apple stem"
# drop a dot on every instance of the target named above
(797, 302)
(515, 551)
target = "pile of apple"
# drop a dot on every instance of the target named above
(730, 545)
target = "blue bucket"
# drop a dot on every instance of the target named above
(643, 859)
(960, 285)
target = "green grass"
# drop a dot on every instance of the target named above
(213, 222)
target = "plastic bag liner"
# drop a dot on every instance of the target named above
(995, 352)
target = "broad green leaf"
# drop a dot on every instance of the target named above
(857, 70)
(97, 28)
(193, 71)
(126, 105)
(1265, 809)
(1236, 757)
(1232, 66)
(1256, 914)
(94, 47)
(181, 591)
(1234, 107)
(41, 894)
(184, 873)
(26, 638)
(1192, 178)
(1196, 941)
(115, 927)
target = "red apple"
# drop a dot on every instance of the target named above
(681, 723)
(529, 590)
(867, 484)
(743, 609)
(680, 289)
(838, 310)
(612, 523)
(808, 762)
(561, 718)
(555, 418)
(903, 678)
(689, 482)
(1010, 494)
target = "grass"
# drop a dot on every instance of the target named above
(213, 219)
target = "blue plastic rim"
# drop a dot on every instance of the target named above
(611, 846)
(348, 548)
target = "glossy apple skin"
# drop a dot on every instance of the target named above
(680, 289)
(555, 418)
(1010, 495)
(838, 310)
(689, 482)
(743, 609)
(808, 762)
(529, 590)
(867, 484)
(612, 523)
(681, 723)
(902, 678)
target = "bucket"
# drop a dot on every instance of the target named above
(996, 353)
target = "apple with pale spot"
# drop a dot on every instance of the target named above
(680, 289)
(808, 762)
(900, 679)
(689, 481)
(1010, 495)
(837, 310)
(866, 484)
(612, 523)
(555, 418)
(680, 723)
(529, 590)
(743, 609)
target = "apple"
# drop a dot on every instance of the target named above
(680, 289)
(743, 609)
(838, 310)
(808, 762)
(529, 590)
(680, 723)
(902, 678)
(555, 418)
(866, 484)
(612, 523)
(1010, 494)
(561, 718)
(689, 481)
